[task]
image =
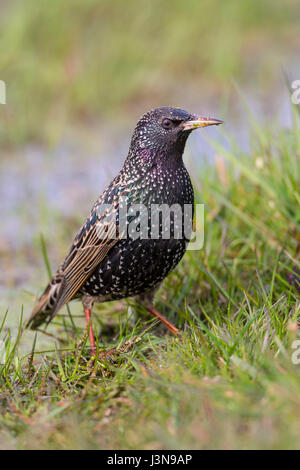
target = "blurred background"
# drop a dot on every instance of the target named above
(79, 74)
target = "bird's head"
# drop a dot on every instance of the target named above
(161, 134)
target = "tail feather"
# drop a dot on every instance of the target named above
(46, 306)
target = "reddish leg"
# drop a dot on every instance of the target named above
(87, 313)
(169, 325)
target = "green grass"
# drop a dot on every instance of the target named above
(230, 381)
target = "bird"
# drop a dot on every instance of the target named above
(108, 260)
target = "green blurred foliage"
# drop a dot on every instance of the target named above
(78, 59)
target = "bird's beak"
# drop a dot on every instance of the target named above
(198, 121)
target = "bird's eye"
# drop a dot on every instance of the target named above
(167, 123)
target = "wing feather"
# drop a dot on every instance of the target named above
(87, 251)
(94, 240)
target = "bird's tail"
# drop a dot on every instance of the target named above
(45, 309)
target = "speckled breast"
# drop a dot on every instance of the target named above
(136, 265)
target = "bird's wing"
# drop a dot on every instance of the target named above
(97, 236)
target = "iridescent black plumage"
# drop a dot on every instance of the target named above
(101, 266)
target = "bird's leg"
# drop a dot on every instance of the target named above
(147, 300)
(104, 354)
(169, 325)
(88, 312)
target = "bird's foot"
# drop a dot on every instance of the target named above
(103, 355)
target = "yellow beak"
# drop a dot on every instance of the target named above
(200, 122)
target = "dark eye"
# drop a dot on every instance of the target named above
(167, 123)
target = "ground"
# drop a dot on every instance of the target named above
(77, 79)
(232, 379)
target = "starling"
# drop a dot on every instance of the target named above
(107, 259)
